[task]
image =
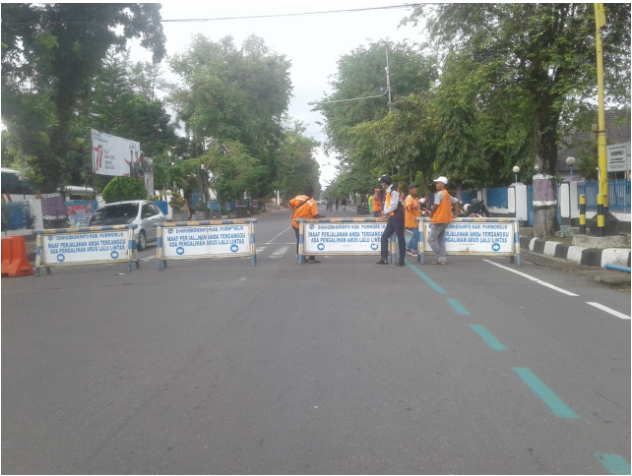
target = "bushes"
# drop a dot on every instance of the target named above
(124, 188)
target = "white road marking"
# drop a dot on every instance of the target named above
(608, 310)
(280, 252)
(271, 241)
(150, 258)
(534, 279)
(242, 279)
(261, 249)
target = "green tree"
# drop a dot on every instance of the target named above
(52, 53)
(361, 73)
(234, 95)
(546, 52)
(297, 167)
(124, 188)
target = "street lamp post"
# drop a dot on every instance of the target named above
(570, 161)
(516, 170)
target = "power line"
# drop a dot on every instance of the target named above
(248, 17)
(355, 10)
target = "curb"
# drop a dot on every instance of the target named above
(581, 256)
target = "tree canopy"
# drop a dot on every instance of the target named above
(50, 55)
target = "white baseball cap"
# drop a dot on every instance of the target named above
(443, 180)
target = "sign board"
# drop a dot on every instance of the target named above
(476, 238)
(91, 247)
(618, 157)
(116, 156)
(199, 241)
(355, 238)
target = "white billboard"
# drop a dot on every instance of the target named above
(116, 156)
(618, 158)
(91, 247)
(343, 238)
(475, 238)
(204, 241)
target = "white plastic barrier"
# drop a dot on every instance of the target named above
(86, 245)
(342, 237)
(206, 239)
(475, 237)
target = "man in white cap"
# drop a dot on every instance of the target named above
(441, 213)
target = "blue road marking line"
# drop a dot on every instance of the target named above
(547, 395)
(432, 284)
(488, 337)
(460, 310)
(615, 464)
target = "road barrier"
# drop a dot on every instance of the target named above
(206, 239)
(80, 246)
(14, 260)
(342, 237)
(475, 237)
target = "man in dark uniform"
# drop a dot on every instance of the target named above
(394, 210)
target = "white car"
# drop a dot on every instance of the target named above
(145, 214)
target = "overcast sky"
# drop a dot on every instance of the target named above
(313, 43)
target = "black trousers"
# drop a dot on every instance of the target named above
(395, 225)
(297, 233)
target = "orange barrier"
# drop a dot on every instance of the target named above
(14, 260)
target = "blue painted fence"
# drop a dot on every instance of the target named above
(497, 197)
(618, 195)
(164, 206)
(16, 215)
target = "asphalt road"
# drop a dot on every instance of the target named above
(343, 367)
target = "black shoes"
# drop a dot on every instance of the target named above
(383, 261)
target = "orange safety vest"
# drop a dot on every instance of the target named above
(400, 206)
(377, 204)
(443, 213)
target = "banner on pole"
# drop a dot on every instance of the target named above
(116, 156)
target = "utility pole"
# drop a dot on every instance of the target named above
(602, 198)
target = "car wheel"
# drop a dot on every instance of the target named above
(142, 241)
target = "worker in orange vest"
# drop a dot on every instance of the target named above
(304, 206)
(394, 210)
(377, 203)
(442, 209)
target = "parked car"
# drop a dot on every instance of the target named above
(145, 214)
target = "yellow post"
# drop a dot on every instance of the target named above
(600, 216)
(582, 214)
(600, 21)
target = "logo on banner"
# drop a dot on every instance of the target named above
(180, 250)
(321, 246)
(61, 258)
(170, 230)
(374, 246)
(496, 247)
(311, 227)
(114, 254)
(234, 248)
(50, 238)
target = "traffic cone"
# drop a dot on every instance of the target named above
(18, 264)
(6, 254)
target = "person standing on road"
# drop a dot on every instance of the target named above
(304, 206)
(442, 209)
(413, 211)
(337, 204)
(394, 210)
(377, 203)
(370, 202)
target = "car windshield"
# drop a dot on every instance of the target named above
(115, 214)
